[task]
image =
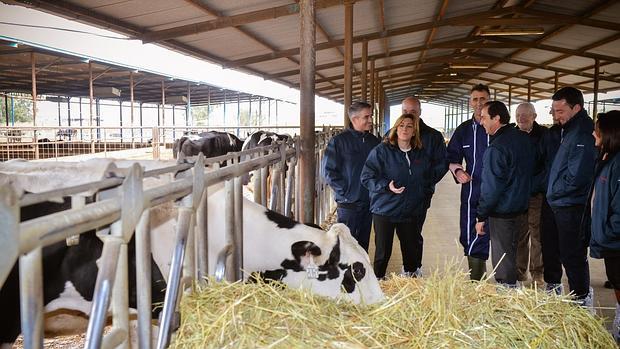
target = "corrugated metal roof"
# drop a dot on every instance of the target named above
(412, 43)
(68, 75)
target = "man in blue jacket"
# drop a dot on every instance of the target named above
(434, 147)
(570, 176)
(469, 142)
(505, 191)
(343, 161)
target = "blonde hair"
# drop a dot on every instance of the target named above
(415, 141)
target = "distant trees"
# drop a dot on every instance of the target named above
(22, 109)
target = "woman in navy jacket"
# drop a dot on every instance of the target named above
(605, 201)
(397, 175)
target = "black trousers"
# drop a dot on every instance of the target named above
(358, 220)
(612, 268)
(411, 243)
(563, 244)
(505, 234)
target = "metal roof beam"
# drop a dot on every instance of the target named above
(465, 20)
(232, 21)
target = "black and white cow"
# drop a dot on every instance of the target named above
(69, 272)
(263, 138)
(260, 139)
(211, 144)
(280, 248)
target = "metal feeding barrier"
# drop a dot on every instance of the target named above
(124, 205)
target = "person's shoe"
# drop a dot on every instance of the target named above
(418, 272)
(411, 274)
(538, 280)
(608, 284)
(558, 289)
(477, 268)
(588, 302)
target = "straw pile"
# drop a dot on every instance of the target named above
(444, 310)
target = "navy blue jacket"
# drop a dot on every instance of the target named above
(605, 238)
(506, 174)
(572, 169)
(343, 160)
(434, 146)
(386, 163)
(537, 134)
(548, 148)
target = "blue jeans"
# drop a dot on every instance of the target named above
(358, 219)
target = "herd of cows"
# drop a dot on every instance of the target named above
(275, 247)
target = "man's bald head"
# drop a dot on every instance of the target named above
(412, 105)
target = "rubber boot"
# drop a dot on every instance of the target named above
(477, 268)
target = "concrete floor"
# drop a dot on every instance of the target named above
(441, 245)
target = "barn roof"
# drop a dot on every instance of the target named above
(66, 74)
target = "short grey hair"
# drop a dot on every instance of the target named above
(529, 106)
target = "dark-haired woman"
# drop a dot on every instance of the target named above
(397, 174)
(605, 201)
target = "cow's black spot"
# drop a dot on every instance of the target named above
(281, 220)
(269, 276)
(313, 225)
(331, 265)
(352, 275)
(299, 249)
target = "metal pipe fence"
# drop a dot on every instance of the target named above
(126, 209)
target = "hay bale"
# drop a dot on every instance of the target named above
(445, 310)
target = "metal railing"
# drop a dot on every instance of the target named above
(126, 210)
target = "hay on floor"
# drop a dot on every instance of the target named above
(444, 310)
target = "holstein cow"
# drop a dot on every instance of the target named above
(260, 139)
(69, 272)
(329, 263)
(211, 144)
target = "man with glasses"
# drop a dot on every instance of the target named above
(343, 161)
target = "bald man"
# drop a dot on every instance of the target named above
(434, 148)
(529, 247)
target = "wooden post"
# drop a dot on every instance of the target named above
(307, 82)
(555, 81)
(348, 58)
(529, 90)
(509, 96)
(372, 84)
(364, 70)
(597, 70)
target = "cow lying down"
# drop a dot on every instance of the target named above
(275, 247)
